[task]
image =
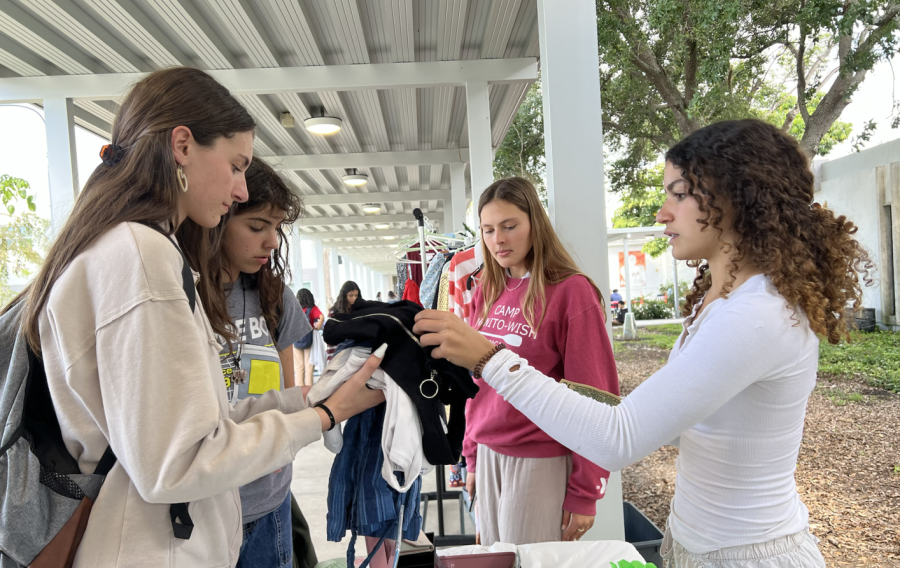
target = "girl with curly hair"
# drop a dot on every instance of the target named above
(775, 272)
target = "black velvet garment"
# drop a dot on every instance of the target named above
(430, 383)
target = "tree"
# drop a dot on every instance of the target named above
(669, 67)
(22, 235)
(522, 151)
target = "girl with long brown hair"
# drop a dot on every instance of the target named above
(534, 299)
(130, 367)
(775, 272)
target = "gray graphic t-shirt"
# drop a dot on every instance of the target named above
(258, 351)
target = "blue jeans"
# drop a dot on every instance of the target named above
(267, 540)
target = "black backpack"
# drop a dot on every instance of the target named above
(45, 500)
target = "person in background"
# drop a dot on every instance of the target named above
(378, 297)
(776, 272)
(534, 298)
(615, 298)
(343, 305)
(303, 347)
(392, 297)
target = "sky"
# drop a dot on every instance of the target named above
(23, 144)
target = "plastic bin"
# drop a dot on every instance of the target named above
(641, 533)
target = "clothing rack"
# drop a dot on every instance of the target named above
(441, 493)
(420, 227)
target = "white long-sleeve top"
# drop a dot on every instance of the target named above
(735, 390)
(129, 365)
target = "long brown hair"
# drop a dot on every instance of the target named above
(266, 190)
(548, 260)
(143, 187)
(341, 305)
(756, 174)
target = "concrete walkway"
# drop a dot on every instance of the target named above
(310, 487)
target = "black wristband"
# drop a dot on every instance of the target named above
(328, 412)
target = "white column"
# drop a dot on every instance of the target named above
(455, 215)
(627, 273)
(59, 119)
(319, 284)
(335, 278)
(573, 141)
(481, 154)
(296, 259)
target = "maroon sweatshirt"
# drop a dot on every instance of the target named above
(571, 344)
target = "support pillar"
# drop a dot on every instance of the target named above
(335, 275)
(455, 215)
(296, 259)
(573, 139)
(481, 152)
(319, 283)
(59, 118)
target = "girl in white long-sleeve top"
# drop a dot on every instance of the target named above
(775, 272)
(130, 366)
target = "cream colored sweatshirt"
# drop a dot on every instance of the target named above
(129, 365)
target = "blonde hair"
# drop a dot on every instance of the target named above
(548, 260)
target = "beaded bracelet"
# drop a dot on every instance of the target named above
(476, 373)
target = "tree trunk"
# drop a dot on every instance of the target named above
(828, 111)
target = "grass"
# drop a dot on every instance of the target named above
(874, 357)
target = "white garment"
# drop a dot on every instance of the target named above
(735, 391)
(128, 362)
(401, 436)
(318, 355)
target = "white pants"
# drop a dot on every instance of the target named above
(520, 500)
(799, 550)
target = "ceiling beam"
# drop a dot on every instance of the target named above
(374, 246)
(287, 79)
(330, 238)
(375, 197)
(363, 219)
(369, 159)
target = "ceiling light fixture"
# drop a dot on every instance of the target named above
(389, 238)
(381, 226)
(318, 123)
(371, 208)
(353, 177)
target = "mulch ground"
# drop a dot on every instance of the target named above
(848, 472)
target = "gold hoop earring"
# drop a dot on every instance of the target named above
(182, 179)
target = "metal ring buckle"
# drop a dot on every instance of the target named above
(436, 388)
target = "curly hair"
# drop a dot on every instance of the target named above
(757, 176)
(266, 190)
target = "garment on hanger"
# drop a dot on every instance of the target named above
(411, 292)
(432, 280)
(402, 277)
(461, 290)
(443, 298)
(415, 266)
(401, 438)
(359, 499)
(430, 383)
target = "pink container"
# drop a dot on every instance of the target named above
(493, 560)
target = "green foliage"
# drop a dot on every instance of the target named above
(522, 151)
(22, 235)
(683, 288)
(650, 310)
(640, 204)
(669, 67)
(874, 357)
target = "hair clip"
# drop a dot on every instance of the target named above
(111, 154)
(814, 206)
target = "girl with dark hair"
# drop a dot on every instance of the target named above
(266, 320)
(343, 305)
(303, 366)
(130, 368)
(534, 297)
(775, 272)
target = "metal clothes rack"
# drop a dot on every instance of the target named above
(442, 539)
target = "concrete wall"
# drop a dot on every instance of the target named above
(860, 186)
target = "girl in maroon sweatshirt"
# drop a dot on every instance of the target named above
(534, 299)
